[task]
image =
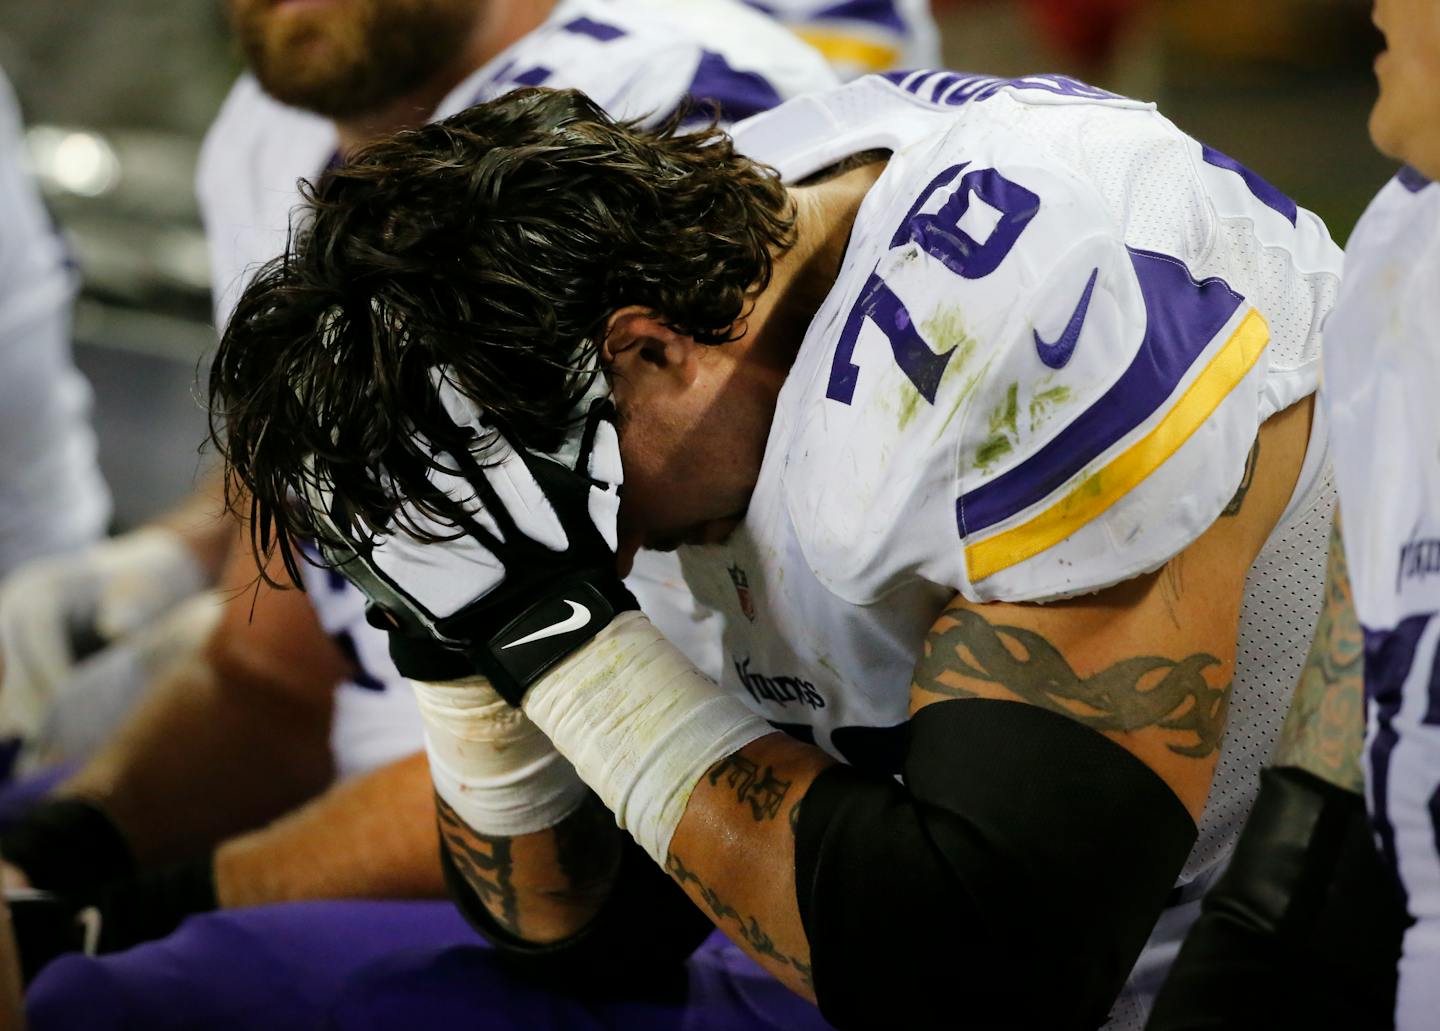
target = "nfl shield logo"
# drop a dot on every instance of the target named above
(742, 592)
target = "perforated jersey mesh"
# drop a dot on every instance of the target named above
(1159, 200)
(1283, 594)
(1294, 301)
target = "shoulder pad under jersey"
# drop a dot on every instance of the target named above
(641, 59)
(1005, 394)
(858, 37)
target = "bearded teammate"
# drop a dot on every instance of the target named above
(282, 661)
(1052, 349)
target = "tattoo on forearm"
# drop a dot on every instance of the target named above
(760, 788)
(485, 863)
(749, 927)
(1133, 694)
(1325, 729)
(587, 850)
(795, 816)
(1233, 508)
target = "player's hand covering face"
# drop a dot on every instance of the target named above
(524, 577)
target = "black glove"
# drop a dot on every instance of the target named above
(528, 578)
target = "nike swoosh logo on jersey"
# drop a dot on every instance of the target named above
(1057, 355)
(579, 616)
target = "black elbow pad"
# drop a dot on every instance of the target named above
(1011, 883)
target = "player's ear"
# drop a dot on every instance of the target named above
(638, 344)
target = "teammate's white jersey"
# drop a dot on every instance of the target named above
(862, 36)
(1381, 384)
(1057, 329)
(635, 58)
(51, 495)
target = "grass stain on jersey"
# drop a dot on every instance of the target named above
(1004, 430)
(1044, 403)
(991, 451)
(945, 330)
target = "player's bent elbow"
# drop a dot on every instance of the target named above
(1014, 879)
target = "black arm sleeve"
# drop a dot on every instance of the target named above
(635, 947)
(1304, 927)
(1011, 882)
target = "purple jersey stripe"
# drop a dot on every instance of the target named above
(1182, 317)
(1264, 192)
(1389, 655)
(1412, 180)
(739, 94)
(595, 30)
(880, 13)
(907, 79)
(955, 88)
(871, 12)
(533, 77)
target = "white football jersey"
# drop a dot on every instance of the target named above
(633, 57)
(862, 36)
(52, 497)
(1057, 329)
(1382, 379)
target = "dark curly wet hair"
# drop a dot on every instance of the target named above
(495, 243)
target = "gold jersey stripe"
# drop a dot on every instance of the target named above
(1101, 489)
(850, 52)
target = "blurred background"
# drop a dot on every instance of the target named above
(117, 94)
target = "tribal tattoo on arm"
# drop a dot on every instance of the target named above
(1325, 730)
(1133, 694)
(485, 862)
(524, 882)
(753, 934)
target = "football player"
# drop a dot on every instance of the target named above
(981, 412)
(1319, 900)
(128, 591)
(167, 789)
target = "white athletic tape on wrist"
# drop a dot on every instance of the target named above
(641, 725)
(490, 764)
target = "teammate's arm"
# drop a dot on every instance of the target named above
(372, 836)
(236, 736)
(233, 739)
(1325, 728)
